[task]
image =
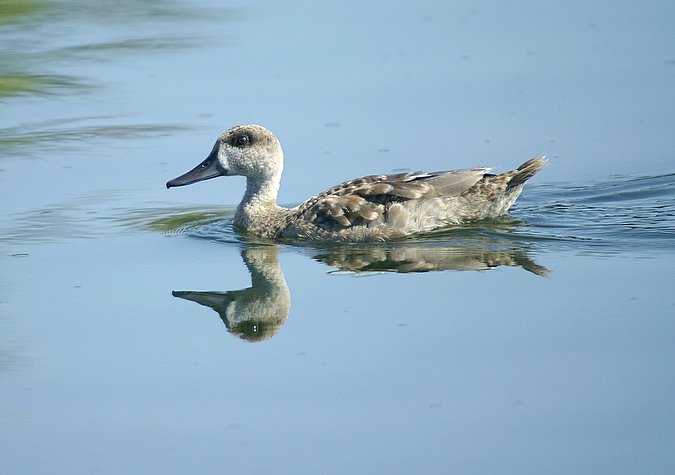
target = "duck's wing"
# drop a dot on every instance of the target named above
(365, 200)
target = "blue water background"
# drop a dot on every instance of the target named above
(537, 343)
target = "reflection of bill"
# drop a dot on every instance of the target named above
(258, 312)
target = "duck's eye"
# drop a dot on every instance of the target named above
(242, 141)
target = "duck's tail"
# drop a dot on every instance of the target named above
(497, 193)
(527, 170)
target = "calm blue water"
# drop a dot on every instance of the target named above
(140, 334)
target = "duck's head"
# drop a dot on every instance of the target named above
(247, 150)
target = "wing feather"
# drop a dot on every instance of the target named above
(365, 201)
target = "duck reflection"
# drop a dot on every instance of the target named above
(258, 312)
(426, 258)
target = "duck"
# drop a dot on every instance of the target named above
(366, 209)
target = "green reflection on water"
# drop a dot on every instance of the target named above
(182, 220)
(25, 49)
(13, 83)
(29, 84)
(85, 218)
(60, 133)
(15, 61)
(17, 10)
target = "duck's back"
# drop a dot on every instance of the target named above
(384, 207)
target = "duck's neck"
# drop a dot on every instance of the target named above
(258, 212)
(263, 264)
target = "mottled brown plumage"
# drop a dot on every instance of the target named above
(371, 208)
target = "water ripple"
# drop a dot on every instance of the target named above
(611, 216)
(621, 215)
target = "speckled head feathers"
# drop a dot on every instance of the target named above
(251, 151)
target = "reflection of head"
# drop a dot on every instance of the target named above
(256, 313)
(260, 328)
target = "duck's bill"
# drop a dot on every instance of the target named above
(209, 168)
(210, 299)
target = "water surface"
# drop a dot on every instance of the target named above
(139, 333)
